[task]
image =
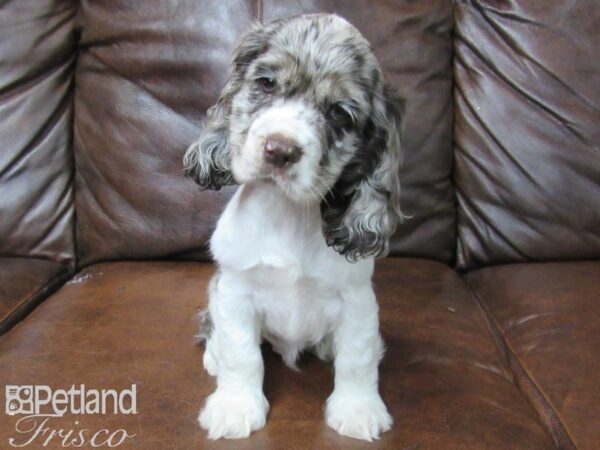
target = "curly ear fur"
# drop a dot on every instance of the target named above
(207, 160)
(361, 212)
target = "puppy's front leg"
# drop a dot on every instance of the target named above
(238, 405)
(355, 407)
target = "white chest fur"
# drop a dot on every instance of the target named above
(276, 253)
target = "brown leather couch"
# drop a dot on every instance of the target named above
(490, 301)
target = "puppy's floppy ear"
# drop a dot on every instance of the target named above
(207, 160)
(361, 212)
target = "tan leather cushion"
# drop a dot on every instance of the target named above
(122, 323)
(527, 130)
(549, 316)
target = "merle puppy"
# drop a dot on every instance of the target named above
(309, 130)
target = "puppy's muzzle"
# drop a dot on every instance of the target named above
(281, 151)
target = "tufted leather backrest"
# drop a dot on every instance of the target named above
(527, 76)
(148, 70)
(37, 58)
(527, 128)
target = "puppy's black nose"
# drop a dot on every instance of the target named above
(281, 151)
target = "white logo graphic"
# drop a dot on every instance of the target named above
(42, 399)
(19, 400)
(39, 405)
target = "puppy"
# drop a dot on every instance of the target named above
(309, 130)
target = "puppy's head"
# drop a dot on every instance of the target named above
(305, 108)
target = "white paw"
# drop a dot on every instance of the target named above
(358, 416)
(233, 414)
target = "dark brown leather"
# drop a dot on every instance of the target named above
(527, 130)
(549, 318)
(147, 71)
(146, 75)
(24, 282)
(121, 323)
(37, 58)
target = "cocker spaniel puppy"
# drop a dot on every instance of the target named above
(309, 130)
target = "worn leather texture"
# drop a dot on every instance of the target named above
(549, 318)
(37, 59)
(146, 74)
(527, 130)
(24, 282)
(115, 324)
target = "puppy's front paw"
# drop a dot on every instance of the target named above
(233, 414)
(360, 417)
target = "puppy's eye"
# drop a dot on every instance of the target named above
(266, 84)
(340, 115)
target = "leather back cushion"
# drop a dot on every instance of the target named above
(37, 60)
(527, 130)
(147, 72)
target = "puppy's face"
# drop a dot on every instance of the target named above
(300, 113)
(305, 108)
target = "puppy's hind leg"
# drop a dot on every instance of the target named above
(205, 332)
(205, 326)
(324, 349)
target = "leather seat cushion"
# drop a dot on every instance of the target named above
(120, 323)
(549, 317)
